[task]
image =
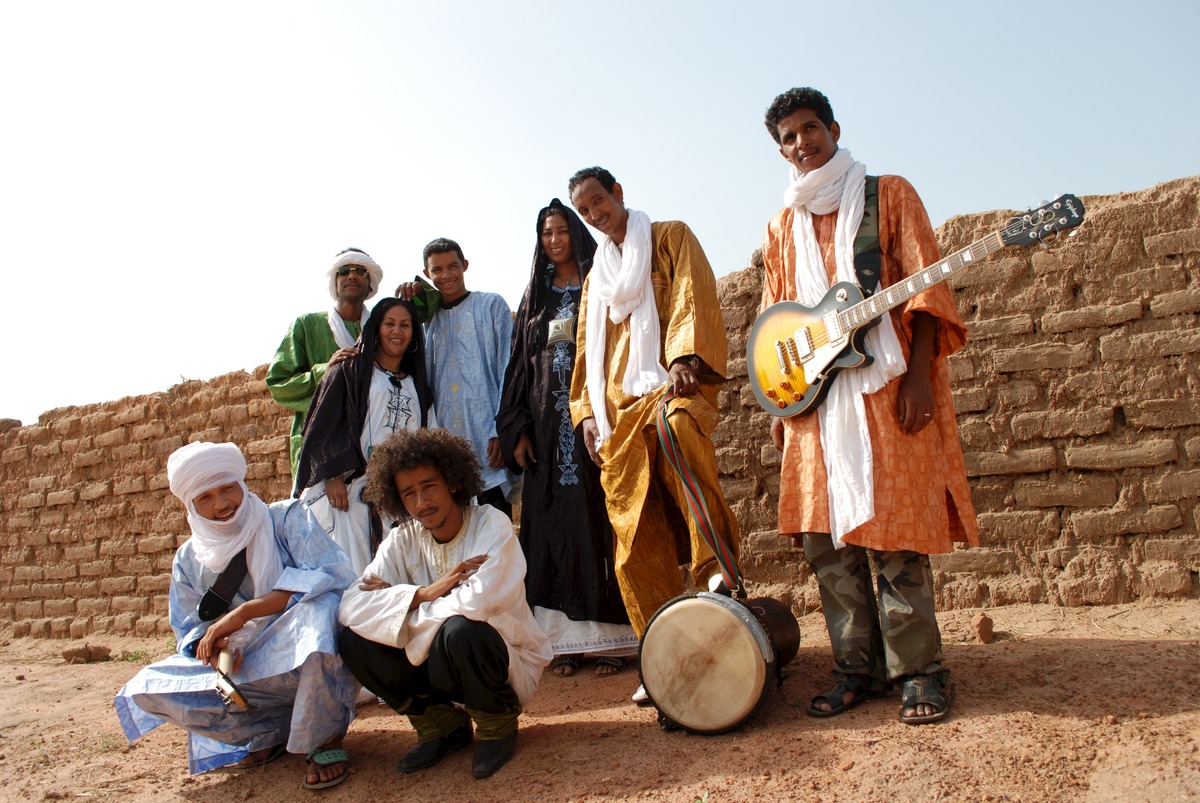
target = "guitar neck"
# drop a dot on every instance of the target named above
(884, 300)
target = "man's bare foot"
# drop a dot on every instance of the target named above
(327, 766)
(256, 759)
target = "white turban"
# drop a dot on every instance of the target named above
(356, 258)
(200, 467)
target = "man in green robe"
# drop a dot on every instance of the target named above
(317, 341)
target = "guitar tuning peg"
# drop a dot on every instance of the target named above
(1036, 204)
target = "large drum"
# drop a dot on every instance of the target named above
(706, 659)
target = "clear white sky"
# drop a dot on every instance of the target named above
(175, 178)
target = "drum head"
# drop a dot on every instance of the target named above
(702, 662)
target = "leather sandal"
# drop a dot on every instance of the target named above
(925, 690)
(862, 689)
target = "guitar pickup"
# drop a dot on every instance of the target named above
(833, 326)
(803, 344)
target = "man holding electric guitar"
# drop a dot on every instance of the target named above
(874, 475)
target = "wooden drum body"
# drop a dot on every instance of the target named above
(707, 660)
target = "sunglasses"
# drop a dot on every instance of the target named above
(357, 270)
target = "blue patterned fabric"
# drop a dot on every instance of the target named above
(299, 691)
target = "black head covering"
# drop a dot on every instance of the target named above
(333, 428)
(539, 309)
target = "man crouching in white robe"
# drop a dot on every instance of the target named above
(439, 617)
(281, 626)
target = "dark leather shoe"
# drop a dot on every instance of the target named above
(426, 754)
(492, 754)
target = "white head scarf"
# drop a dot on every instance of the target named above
(341, 334)
(199, 467)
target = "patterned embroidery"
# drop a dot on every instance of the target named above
(399, 410)
(562, 364)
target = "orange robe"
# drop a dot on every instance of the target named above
(922, 501)
(640, 489)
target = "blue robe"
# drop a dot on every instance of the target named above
(468, 346)
(291, 675)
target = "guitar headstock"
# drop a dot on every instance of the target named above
(1064, 212)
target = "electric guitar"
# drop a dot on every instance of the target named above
(794, 352)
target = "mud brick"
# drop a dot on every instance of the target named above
(44, 450)
(42, 483)
(31, 500)
(1098, 525)
(149, 544)
(28, 609)
(14, 455)
(132, 415)
(1008, 326)
(21, 629)
(97, 422)
(152, 429)
(769, 456)
(260, 471)
(105, 512)
(65, 427)
(1015, 461)
(1121, 347)
(59, 607)
(991, 274)
(56, 498)
(131, 485)
(1036, 527)
(1018, 394)
(1075, 490)
(130, 605)
(1173, 243)
(161, 603)
(93, 607)
(81, 628)
(159, 482)
(268, 446)
(52, 518)
(974, 561)
(115, 437)
(46, 590)
(1097, 317)
(84, 589)
(739, 489)
(771, 486)
(123, 623)
(283, 467)
(1163, 413)
(1174, 550)
(118, 547)
(94, 491)
(62, 571)
(1055, 356)
(139, 565)
(96, 568)
(35, 433)
(1192, 447)
(117, 585)
(73, 445)
(1110, 457)
(231, 414)
(147, 625)
(1142, 283)
(88, 459)
(1172, 486)
(262, 408)
(1180, 302)
(164, 446)
(27, 574)
(153, 584)
(130, 451)
(210, 435)
(974, 400)
(163, 561)
(60, 628)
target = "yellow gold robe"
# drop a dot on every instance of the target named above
(644, 496)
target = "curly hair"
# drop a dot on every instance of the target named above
(452, 456)
(796, 98)
(599, 173)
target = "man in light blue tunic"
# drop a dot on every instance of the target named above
(280, 626)
(469, 341)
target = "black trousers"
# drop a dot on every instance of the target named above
(468, 664)
(495, 498)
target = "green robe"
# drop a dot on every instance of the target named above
(299, 365)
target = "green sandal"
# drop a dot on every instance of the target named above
(324, 758)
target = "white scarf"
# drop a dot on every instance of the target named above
(619, 288)
(198, 467)
(341, 333)
(845, 439)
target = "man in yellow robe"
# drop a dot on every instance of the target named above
(893, 489)
(650, 321)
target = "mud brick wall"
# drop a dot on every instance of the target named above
(1076, 402)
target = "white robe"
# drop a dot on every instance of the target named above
(407, 559)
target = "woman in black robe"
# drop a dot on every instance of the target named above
(568, 543)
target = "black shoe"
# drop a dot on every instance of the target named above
(426, 754)
(492, 754)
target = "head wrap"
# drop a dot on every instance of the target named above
(199, 467)
(353, 256)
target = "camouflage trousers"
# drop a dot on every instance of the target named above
(882, 633)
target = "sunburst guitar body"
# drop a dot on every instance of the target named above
(794, 352)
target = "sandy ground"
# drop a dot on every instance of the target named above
(1064, 704)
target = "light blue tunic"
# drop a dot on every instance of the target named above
(299, 690)
(468, 349)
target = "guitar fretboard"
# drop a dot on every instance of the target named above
(868, 309)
